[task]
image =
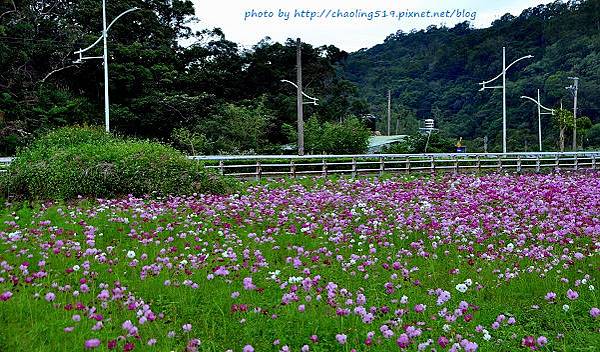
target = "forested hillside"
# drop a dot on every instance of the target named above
(434, 73)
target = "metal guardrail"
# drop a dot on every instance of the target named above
(264, 166)
(4, 162)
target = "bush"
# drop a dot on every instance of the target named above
(73, 162)
(348, 137)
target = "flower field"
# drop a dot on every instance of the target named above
(454, 263)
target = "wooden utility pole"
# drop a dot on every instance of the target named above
(389, 116)
(300, 103)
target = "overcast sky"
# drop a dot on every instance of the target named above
(349, 34)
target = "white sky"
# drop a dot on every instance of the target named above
(347, 34)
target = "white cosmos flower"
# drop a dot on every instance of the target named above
(565, 307)
(130, 254)
(468, 282)
(462, 288)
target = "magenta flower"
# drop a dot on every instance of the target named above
(92, 343)
(6, 296)
(550, 296)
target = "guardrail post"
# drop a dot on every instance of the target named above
(500, 164)
(221, 167)
(408, 165)
(381, 166)
(576, 163)
(353, 167)
(258, 171)
(455, 164)
(432, 165)
(478, 163)
(557, 163)
(537, 163)
(324, 168)
(519, 164)
(293, 168)
(594, 162)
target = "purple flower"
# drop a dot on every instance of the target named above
(50, 297)
(542, 340)
(595, 312)
(550, 296)
(187, 327)
(341, 338)
(248, 285)
(572, 295)
(248, 348)
(6, 296)
(92, 343)
(403, 341)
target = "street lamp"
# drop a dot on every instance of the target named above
(503, 86)
(540, 113)
(105, 29)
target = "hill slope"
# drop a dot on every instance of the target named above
(434, 73)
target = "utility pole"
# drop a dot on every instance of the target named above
(106, 104)
(574, 88)
(389, 111)
(485, 144)
(299, 95)
(503, 86)
(103, 37)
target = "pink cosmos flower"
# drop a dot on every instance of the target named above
(595, 312)
(572, 295)
(341, 338)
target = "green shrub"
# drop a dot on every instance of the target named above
(348, 137)
(73, 162)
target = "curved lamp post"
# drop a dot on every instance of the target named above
(503, 86)
(314, 100)
(105, 29)
(547, 111)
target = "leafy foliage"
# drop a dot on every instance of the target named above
(348, 137)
